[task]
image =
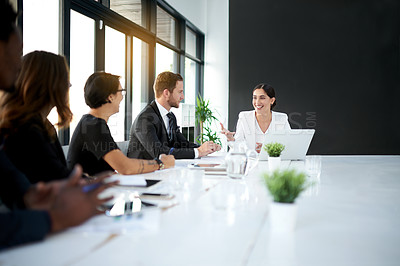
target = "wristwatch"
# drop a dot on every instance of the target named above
(160, 164)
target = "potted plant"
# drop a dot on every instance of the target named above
(284, 186)
(274, 151)
(205, 117)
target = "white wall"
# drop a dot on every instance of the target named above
(212, 18)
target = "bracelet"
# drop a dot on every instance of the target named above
(160, 164)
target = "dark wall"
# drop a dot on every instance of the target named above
(334, 65)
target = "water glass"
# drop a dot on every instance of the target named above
(313, 166)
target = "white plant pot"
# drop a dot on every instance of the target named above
(282, 216)
(274, 163)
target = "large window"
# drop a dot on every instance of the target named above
(135, 39)
(81, 63)
(35, 17)
(167, 59)
(41, 26)
(115, 64)
(131, 10)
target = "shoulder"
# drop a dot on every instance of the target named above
(34, 128)
(90, 120)
(279, 115)
(149, 113)
(245, 114)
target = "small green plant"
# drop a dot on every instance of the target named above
(274, 149)
(205, 117)
(286, 185)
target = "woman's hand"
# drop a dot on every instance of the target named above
(227, 133)
(258, 147)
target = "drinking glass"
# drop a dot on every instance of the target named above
(313, 166)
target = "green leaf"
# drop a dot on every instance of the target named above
(274, 149)
(285, 186)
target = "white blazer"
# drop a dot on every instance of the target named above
(246, 126)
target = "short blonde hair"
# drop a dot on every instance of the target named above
(166, 80)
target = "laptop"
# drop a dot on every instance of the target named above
(296, 143)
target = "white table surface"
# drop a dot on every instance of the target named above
(352, 217)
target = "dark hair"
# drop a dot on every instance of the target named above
(43, 81)
(98, 87)
(166, 80)
(7, 20)
(269, 90)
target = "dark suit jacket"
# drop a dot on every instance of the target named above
(149, 137)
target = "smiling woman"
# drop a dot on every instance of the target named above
(253, 125)
(92, 145)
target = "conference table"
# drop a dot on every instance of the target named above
(350, 215)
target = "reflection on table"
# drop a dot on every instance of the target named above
(349, 216)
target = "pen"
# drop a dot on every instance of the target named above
(91, 187)
(170, 151)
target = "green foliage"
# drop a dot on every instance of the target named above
(209, 135)
(205, 117)
(203, 112)
(286, 185)
(274, 149)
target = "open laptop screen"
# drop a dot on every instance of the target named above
(296, 143)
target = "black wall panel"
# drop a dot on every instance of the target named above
(334, 64)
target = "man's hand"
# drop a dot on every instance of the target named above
(168, 160)
(72, 205)
(207, 148)
(227, 133)
(41, 195)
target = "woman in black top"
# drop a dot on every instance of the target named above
(31, 141)
(92, 144)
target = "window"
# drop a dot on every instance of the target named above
(131, 10)
(81, 63)
(190, 81)
(191, 47)
(166, 26)
(166, 59)
(139, 76)
(115, 64)
(135, 39)
(46, 39)
(35, 17)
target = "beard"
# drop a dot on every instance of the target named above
(173, 103)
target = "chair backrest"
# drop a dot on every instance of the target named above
(123, 145)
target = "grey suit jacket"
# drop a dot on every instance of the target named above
(149, 137)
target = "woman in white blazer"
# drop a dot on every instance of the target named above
(253, 125)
